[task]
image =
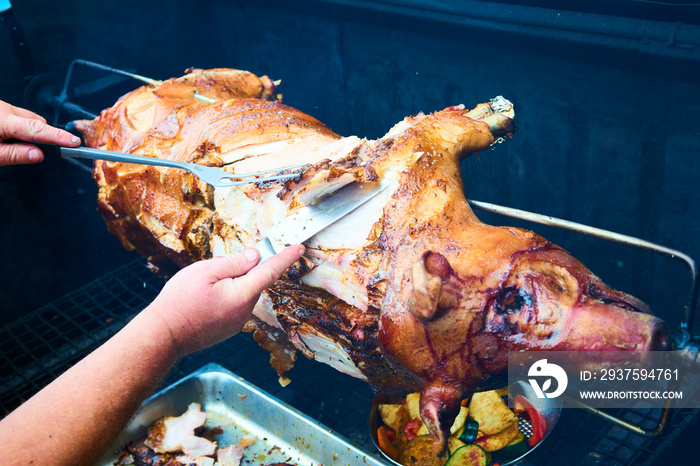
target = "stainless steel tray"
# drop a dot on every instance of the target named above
(240, 408)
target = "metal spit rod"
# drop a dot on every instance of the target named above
(138, 77)
(62, 102)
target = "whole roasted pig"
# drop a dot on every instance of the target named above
(409, 292)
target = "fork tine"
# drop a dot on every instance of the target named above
(237, 179)
(269, 170)
(256, 180)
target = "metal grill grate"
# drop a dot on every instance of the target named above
(38, 347)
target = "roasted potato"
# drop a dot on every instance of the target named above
(413, 405)
(394, 416)
(491, 412)
(459, 420)
(499, 440)
(453, 444)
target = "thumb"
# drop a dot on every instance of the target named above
(233, 266)
(18, 154)
(267, 273)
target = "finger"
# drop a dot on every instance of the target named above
(22, 112)
(235, 265)
(30, 129)
(267, 273)
(18, 154)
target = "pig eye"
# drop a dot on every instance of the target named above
(509, 300)
(594, 292)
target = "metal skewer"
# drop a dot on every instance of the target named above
(138, 77)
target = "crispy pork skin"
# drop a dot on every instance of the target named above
(142, 122)
(180, 441)
(229, 456)
(177, 434)
(409, 292)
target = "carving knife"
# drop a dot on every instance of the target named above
(311, 219)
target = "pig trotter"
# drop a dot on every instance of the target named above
(439, 405)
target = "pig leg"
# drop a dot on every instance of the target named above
(439, 405)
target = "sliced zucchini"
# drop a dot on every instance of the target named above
(469, 431)
(515, 449)
(468, 455)
(419, 452)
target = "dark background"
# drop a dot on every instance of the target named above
(607, 98)
(607, 106)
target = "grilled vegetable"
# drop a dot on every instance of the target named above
(539, 424)
(468, 455)
(394, 416)
(459, 420)
(385, 438)
(413, 405)
(412, 428)
(515, 449)
(453, 443)
(497, 441)
(469, 431)
(491, 412)
(419, 452)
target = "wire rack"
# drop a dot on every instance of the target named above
(38, 347)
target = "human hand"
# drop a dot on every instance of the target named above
(22, 125)
(210, 301)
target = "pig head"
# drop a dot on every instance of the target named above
(462, 294)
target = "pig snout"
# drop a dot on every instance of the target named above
(629, 314)
(606, 327)
(660, 339)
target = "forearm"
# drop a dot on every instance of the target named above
(75, 419)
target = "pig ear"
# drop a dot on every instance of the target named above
(426, 292)
(434, 288)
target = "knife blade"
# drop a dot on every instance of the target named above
(313, 218)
